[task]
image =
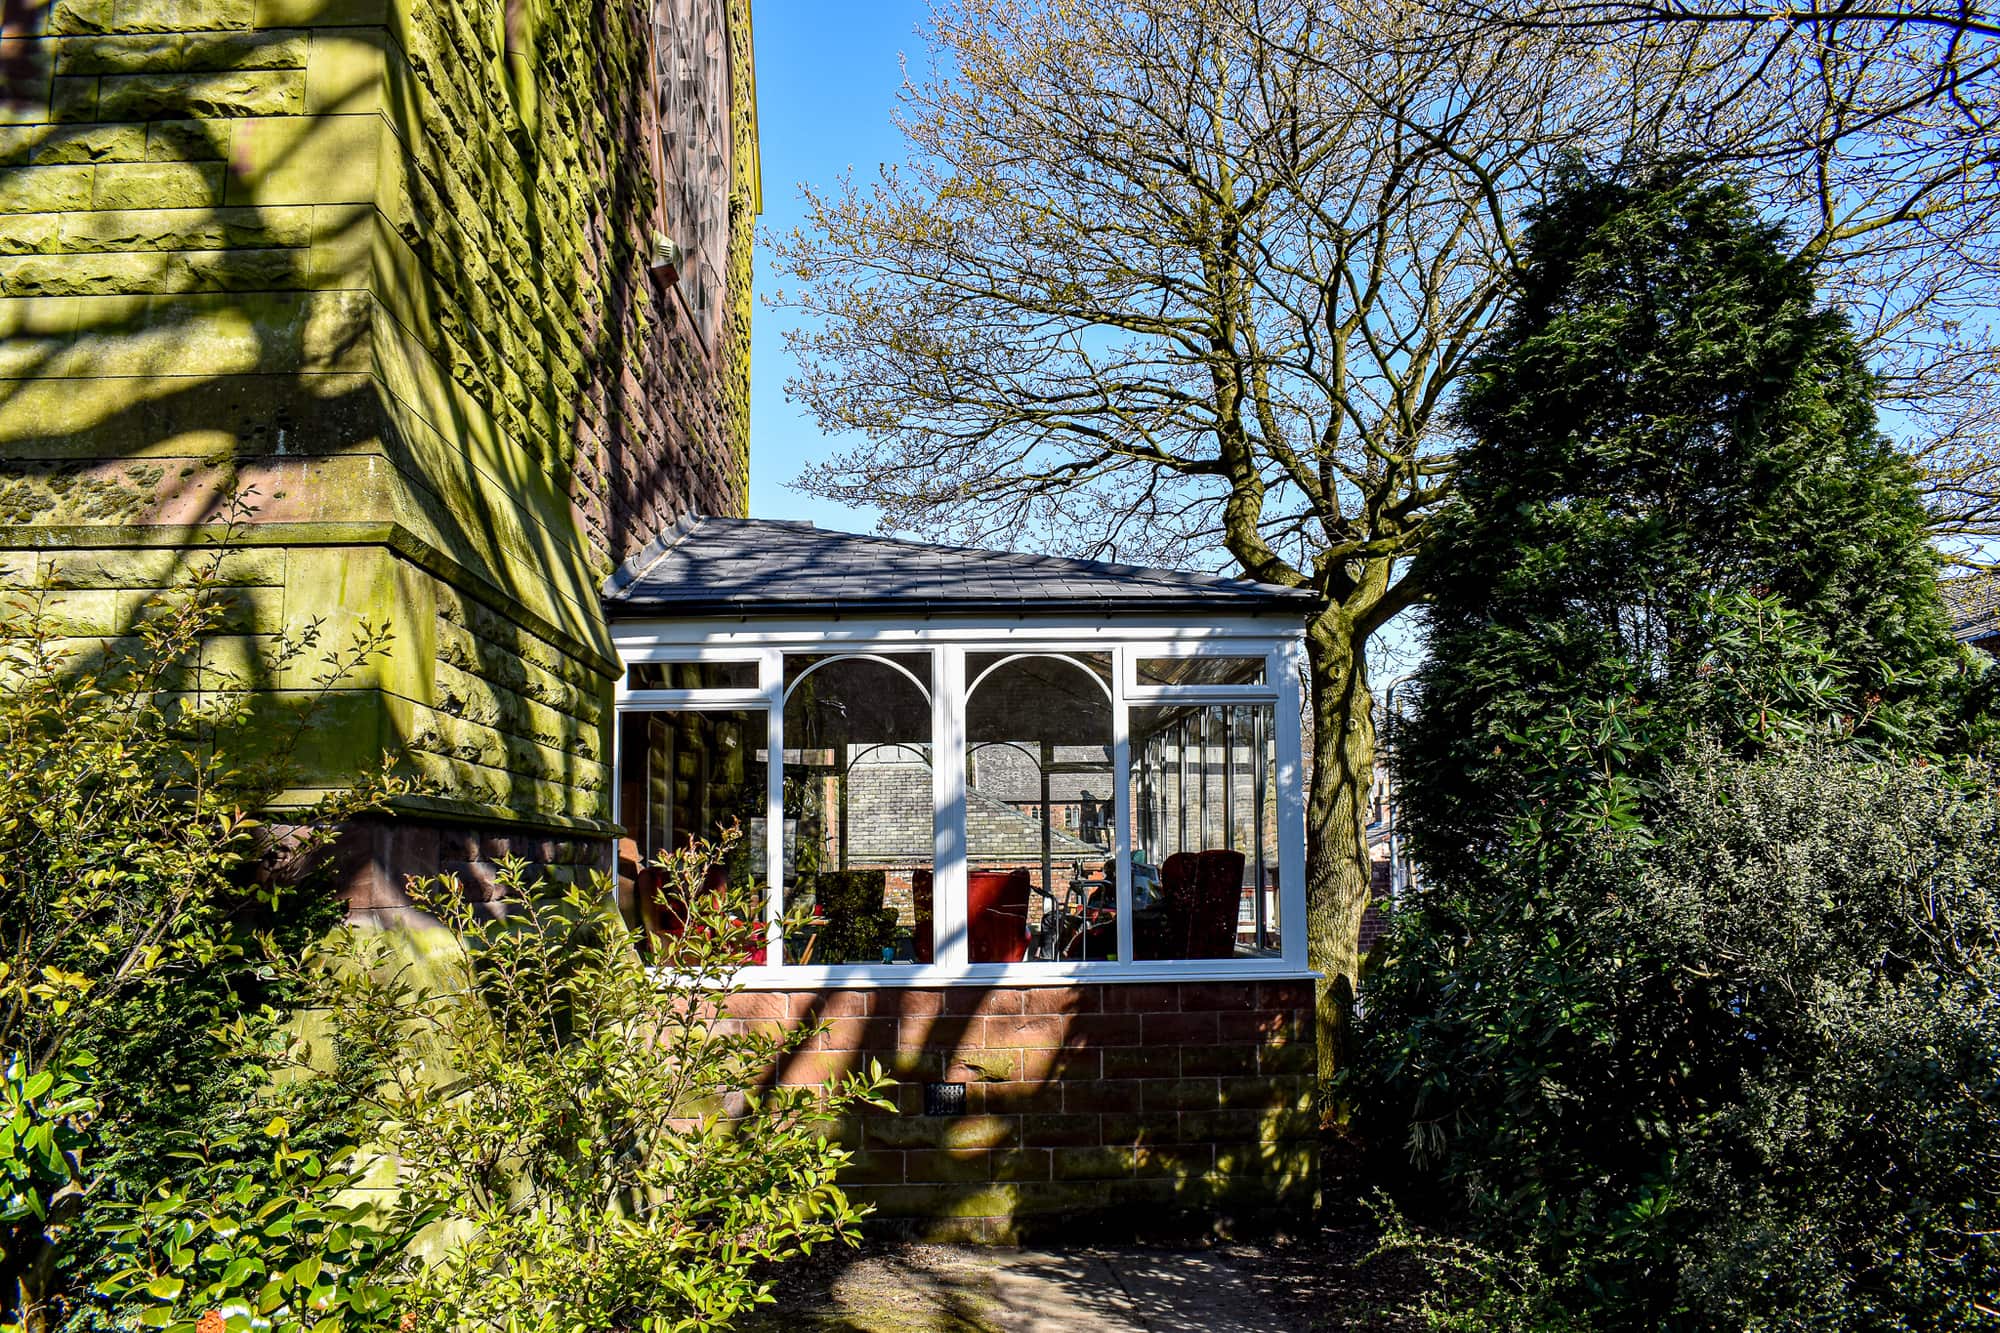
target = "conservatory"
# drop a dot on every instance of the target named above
(1026, 832)
(954, 766)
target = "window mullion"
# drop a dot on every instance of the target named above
(771, 682)
(1121, 808)
(1291, 806)
(948, 905)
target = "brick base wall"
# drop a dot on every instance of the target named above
(1133, 1108)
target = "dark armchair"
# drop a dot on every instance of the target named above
(1200, 896)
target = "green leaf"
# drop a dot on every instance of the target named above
(234, 1275)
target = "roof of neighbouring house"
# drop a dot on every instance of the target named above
(1973, 603)
(735, 566)
(889, 821)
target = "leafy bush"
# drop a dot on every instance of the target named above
(134, 878)
(1741, 1071)
(43, 1118)
(581, 1143)
(1695, 1023)
(601, 1151)
(292, 1243)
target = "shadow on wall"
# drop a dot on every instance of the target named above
(1153, 1109)
(273, 263)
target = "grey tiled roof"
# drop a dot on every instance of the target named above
(736, 566)
(1973, 603)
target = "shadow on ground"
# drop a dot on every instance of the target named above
(1322, 1282)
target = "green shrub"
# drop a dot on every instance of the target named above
(44, 1118)
(292, 1243)
(1741, 1070)
(1695, 1023)
(575, 1141)
(602, 1152)
(134, 879)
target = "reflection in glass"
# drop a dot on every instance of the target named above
(691, 676)
(682, 776)
(1204, 836)
(858, 801)
(1200, 670)
(1039, 796)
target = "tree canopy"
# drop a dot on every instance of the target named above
(1196, 283)
(1159, 277)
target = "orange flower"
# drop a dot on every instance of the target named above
(209, 1323)
(408, 1322)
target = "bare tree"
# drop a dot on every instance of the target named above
(1874, 130)
(1175, 279)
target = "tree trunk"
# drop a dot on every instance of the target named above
(29, 1275)
(1342, 745)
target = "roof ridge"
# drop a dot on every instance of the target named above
(641, 562)
(1972, 601)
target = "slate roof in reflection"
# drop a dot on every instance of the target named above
(735, 566)
(1973, 602)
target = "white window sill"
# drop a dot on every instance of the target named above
(877, 976)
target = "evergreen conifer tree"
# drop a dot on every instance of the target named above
(1692, 1026)
(1676, 513)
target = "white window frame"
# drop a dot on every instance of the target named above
(767, 643)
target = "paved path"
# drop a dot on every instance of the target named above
(951, 1289)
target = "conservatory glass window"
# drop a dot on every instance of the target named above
(951, 808)
(1041, 884)
(860, 843)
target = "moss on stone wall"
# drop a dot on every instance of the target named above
(376, 266)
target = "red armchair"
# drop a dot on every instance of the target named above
(997, 905)
(665, 918)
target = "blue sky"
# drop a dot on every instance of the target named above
(827, 77)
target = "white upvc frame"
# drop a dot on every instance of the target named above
(767, 642)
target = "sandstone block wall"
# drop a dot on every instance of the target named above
(375, 269)
(1146, 1108)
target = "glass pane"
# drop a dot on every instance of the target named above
(691, 676)
(1204, 832)
(1201, 671)
(859, 829)
(682, 776)
(1039, 874)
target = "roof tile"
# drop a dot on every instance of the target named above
(732, 565)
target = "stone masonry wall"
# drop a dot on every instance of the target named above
(375, 271)
(378, 856)
(1147, 1108)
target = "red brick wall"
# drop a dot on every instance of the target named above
(662, 427)
(1149, 1108)
(1375, 921)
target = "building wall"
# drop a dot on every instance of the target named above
(1152, 1108)
(375, 271)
